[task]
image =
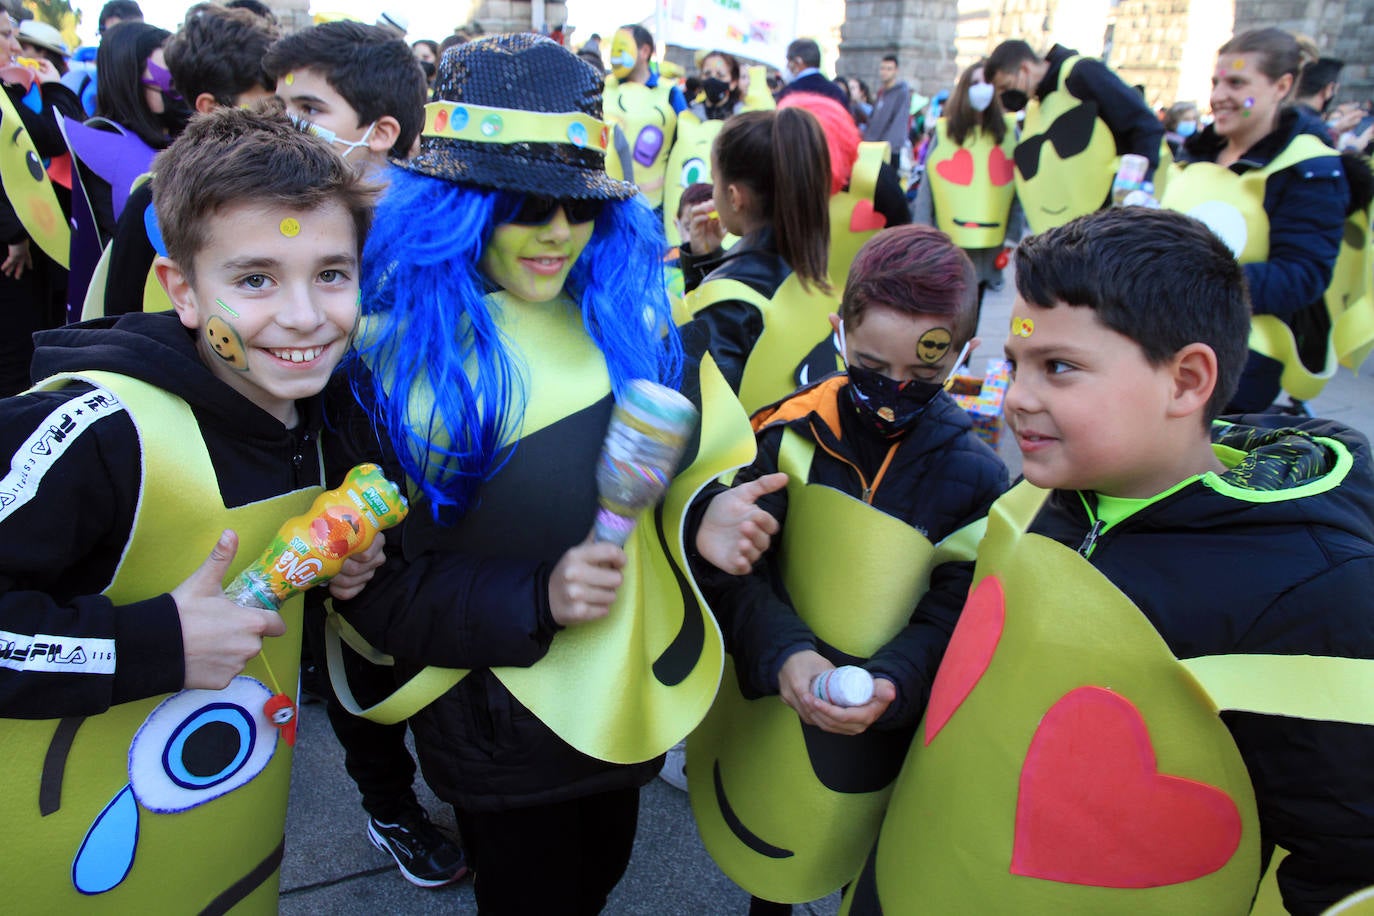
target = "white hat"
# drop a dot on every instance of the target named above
(44, 36)
(397, 21)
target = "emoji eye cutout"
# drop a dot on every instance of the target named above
(958, 169)
(35, 165)
(201, 744)
(1000, 169)
(693, 171)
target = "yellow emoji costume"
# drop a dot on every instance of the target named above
(972, 186)
(789, 811)
(646, 116)
(1066, 157)
(175, 803)
(1233, 207)
(853, 220)
(688, 164)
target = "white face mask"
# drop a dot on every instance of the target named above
(328, 136)
(980, 96)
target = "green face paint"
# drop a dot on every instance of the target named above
(221, 304)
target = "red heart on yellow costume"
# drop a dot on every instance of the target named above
(970, 650)
(865, 219)
(958, 169)
(1093, 809)
(1000, 169)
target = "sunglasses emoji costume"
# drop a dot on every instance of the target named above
(1066, 158)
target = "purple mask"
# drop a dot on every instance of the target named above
(160, 78)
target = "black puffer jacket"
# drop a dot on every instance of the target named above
(941, 478)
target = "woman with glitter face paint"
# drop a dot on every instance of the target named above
(1285, 227)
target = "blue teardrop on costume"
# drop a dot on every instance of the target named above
(154, 231)
(107, 853)
(577, 133)
(458, 118)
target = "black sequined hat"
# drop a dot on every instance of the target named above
(518, 113)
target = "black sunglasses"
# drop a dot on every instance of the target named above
(536, 210)
(1070, 135)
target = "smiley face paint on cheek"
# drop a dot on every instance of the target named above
(933, 345)
(226, 343)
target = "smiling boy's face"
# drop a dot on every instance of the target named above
(273, 300)
(1089, 412)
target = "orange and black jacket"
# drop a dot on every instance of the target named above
(937, 478)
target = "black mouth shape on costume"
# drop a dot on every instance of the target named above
(1054, 212)
(971, 224)
(741, 832)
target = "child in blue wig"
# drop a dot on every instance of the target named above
(511, 290)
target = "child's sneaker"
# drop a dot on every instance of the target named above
(674, 771)
(425, 856)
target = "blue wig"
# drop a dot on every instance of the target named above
(448, 390)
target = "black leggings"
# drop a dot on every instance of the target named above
(561, 858)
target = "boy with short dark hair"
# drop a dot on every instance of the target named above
(150, 773)
(358, 85)
(1155, 567)
(885, 485)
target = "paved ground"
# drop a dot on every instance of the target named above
(331, 868)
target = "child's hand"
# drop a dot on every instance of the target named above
(47, 73)
(706, 231)
(18, 260)
(734, 531)
(794, 685)
(357, 570)
(217, 636)
(583, 584)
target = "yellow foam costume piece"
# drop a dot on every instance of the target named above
(949, 840)
(1233, 207)
(155, 298)
(772, 824)
(973, 214)
(647, 118)
(853, 220)
(758, 98)
(213, 842)
(689, 163)
(1064, 189)
(29, 189)
(793, 320)
(596, 688)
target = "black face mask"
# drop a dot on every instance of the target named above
(716, 90)
(888, 406)
(175, 114)
(429, 69)
(1015, 100)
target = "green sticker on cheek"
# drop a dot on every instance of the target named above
(226, 343)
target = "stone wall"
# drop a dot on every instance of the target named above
(1341, 28)
(921, 34)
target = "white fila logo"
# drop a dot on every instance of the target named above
(49, 441)
(60, 654)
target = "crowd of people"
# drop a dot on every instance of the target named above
(242, 263)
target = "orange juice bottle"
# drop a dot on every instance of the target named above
(309, 549)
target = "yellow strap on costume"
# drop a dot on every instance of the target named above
(189, 842)
(482, 124)
(1350, 297)
(789, 813)
(1327, 688)
(793, 320)
(29, 189)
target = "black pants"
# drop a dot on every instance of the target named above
(375, 756)
(563, 858)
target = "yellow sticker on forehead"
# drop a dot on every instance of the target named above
(933, 345)
(1022, 327)
(289, 79)
(1238, 64)
(290, 228)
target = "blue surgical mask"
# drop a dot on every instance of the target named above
(1186, 129)
(980, 96)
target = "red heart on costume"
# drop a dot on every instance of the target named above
(1000, 169)
(864, 218)
(958, 169)
(970, 650)
(1093, 808)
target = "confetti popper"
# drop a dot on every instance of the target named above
(649, 430)
(309, 549)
